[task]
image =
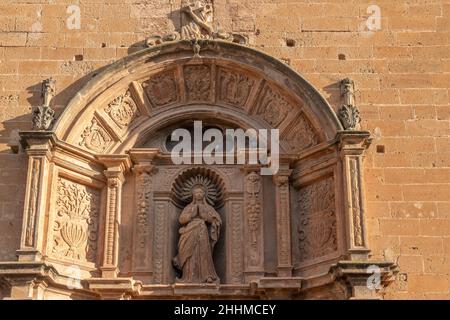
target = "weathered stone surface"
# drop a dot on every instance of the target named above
(401, 82)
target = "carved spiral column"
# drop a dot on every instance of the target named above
(116, 167)
(284, 265)
(352, 145)
(39, 146)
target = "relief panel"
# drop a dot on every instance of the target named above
(75, 225)
(234, 87)
(198, 82)
(301, 135)
(272, 107)
(95, 137)
(122, 110)
(316, 231)
(162, 89)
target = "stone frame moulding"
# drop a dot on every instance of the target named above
(73, 212)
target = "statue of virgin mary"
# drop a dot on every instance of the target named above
(199, 232)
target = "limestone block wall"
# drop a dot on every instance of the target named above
(401, 74)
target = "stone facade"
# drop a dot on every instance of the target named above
(338, 206)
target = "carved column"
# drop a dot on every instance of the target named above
(116, 166)
(38, 147)
(351, 146)
(281, 180)
(253, 222)
(142, 260)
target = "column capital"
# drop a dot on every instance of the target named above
(353, 141)
(38, 143)
(282, 177)
(143, 155)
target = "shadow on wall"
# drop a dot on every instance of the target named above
(333, 94)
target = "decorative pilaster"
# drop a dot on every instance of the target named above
(142, 260)
(253, 223)
(351, 147)
(284, 265)
(38, 146)
(116, 166)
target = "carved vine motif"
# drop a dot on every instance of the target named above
(235, 87)
(282, 183)
(236, 235)
(159, 243)
(317, 234)
(122, 110)
(198, 82)
(95, 137)
(143, 205)
(162, 89)
(273, 108)
(76, 222)
(253, 214)
(302, 136)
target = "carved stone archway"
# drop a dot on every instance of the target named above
(99, 205)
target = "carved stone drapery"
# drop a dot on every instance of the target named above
(284, 263)
(253, 223)
(116, 166)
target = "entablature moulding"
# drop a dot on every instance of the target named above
(103, 197)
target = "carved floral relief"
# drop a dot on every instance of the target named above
(76, 221)
(317, 234)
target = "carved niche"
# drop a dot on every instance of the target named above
(198, 82)
(316, 232)
(272, 107)
(122, 110)
(162, 89)
(76, 221)
(95, 137)
(234, 87)
(301, 135)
